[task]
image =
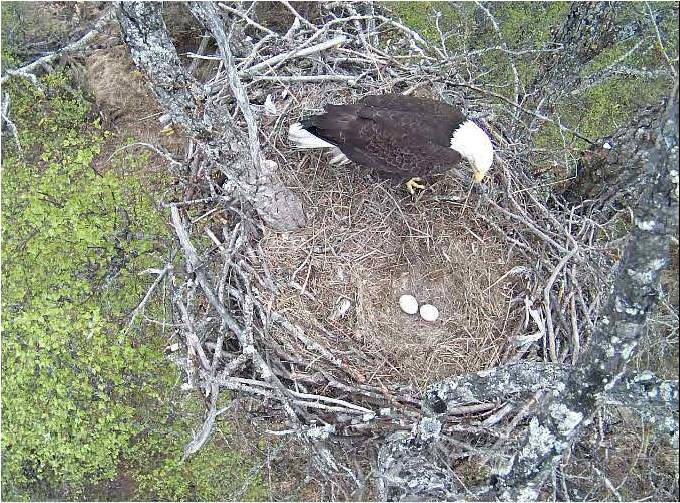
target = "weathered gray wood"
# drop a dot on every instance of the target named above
(510, 382)
(614, 342)
(407, 472)
(193, 108)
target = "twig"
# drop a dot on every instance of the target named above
(140, 307)
(528, 112)
(12, 127)
(243, 16)
(575, 338)
(27, 71)
(609, 70)
(202, 437)
(531, 225)
(298, 16)
(297, 53)
(301, 399)
(193, 343)
(505, 47)
(160, 151)
(351, 79)
(547, 305)
(607, 482)
(658, 39)
(464, 410)
(521, 414)
(198, 55)
(442, 37)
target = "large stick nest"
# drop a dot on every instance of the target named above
(307, 322)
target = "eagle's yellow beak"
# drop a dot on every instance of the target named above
(479, 176)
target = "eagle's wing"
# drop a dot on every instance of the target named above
(414, 125)
(415, 105)
(391, 141)
(399, 162)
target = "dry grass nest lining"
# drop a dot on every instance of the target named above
(369, 242)
(125, 105)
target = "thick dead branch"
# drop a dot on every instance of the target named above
(654, 399)
(514, 382)
(407, 471)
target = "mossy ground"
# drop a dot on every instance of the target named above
(91, 408)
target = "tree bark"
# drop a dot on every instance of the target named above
(654, 398)
(407, 470)
(587, 30)
(194, 107)
(614, 170)
(409, 466)
(562, 416)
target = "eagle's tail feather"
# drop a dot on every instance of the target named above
(302, 138)
(339, 158)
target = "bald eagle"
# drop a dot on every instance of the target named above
(402, 136)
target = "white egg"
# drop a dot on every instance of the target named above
(408, 304)
(428, 312)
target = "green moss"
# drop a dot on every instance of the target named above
(215, 473)
(524, 25)
(418, 16)
(605, 108)
(64, 409)
(529, 24)
(608, 107)
(83, 396)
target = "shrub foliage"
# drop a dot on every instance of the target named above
(82, 395)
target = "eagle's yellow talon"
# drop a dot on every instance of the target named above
(413, 184)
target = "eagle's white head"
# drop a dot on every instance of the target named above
(474, 145)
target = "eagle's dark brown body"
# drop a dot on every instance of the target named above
(394, 134)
